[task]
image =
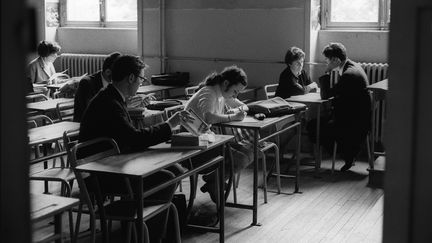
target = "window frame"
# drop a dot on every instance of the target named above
(382, 24)
(102, 23)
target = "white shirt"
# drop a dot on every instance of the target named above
(210, 99)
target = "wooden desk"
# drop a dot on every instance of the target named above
(139, 165)
(50, 133)
(313, 99)
(256, 126)
(45, 206)
(146, 89)
(46, 105)
(379, 90)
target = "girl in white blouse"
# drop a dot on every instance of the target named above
(216, 102)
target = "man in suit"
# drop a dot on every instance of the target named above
(351, 118)
(91, 84)
(106, 116)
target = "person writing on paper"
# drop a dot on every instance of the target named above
(41, 69)
(215, 102)
(90, 85)
(294, 80)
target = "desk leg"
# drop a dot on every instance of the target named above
(372, 138)
(222, 198)
(58, 227)
(297, 178)
(255, 180)
(317, 142)
(140, 206)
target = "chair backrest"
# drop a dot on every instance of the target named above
(189, 91)
(70, 139)
(65, 110)
(39, 120)
(94, 149)
(36, 98)
(270, 90)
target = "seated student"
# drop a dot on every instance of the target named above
(91, 84)
(351, 118)
(294, 80)
(215, 102)
(41, 69)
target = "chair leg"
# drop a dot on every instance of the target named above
(264, 168)
(174, 213)
(334, 157)
(78, 221)
(129, 232)
(368, 147)
(233, 175)
(146, 234)
(277, 162)
(71, 229)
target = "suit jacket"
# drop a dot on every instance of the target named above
(106, 116)
(290, 85)
(88, 87)
(352, 102)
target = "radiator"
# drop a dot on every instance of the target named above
(79, 64)
(375, 73)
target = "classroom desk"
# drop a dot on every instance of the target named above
(256, 126)
(139, 165)
(313, 99)
(50, 133)
(45, 206)
(379, 90)
(146, 89)
(47, 105)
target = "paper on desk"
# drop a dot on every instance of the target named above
(249, 119)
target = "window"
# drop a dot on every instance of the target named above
(98, 13)
(356, 14)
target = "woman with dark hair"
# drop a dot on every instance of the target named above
(294, 80)
(215, 102)
(41, 69)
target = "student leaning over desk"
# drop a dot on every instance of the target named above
(216, 102)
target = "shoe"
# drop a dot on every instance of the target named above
(346, 167)
(212, 189)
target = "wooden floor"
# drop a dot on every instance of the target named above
(331, 208)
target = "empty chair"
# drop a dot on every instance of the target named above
(270, 90)
(65, 111)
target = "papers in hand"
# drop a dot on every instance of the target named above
(197, 126)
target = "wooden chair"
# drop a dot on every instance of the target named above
(65, 111)
(190, 91)
(270, 90)
(121, 210)
(62, 174)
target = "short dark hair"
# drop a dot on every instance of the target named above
(126, 65)
(335, 49)
(46, 48)
(294, 54)
(109, 60)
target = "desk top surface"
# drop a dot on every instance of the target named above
(307, 98)
(154, 88)
(147, 162)
(44, 206)
(50, 132)
(251, 123)
(379, 86)
(47, 105)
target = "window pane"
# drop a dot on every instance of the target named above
(121, 10)
(83, 10)
(354, 10)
